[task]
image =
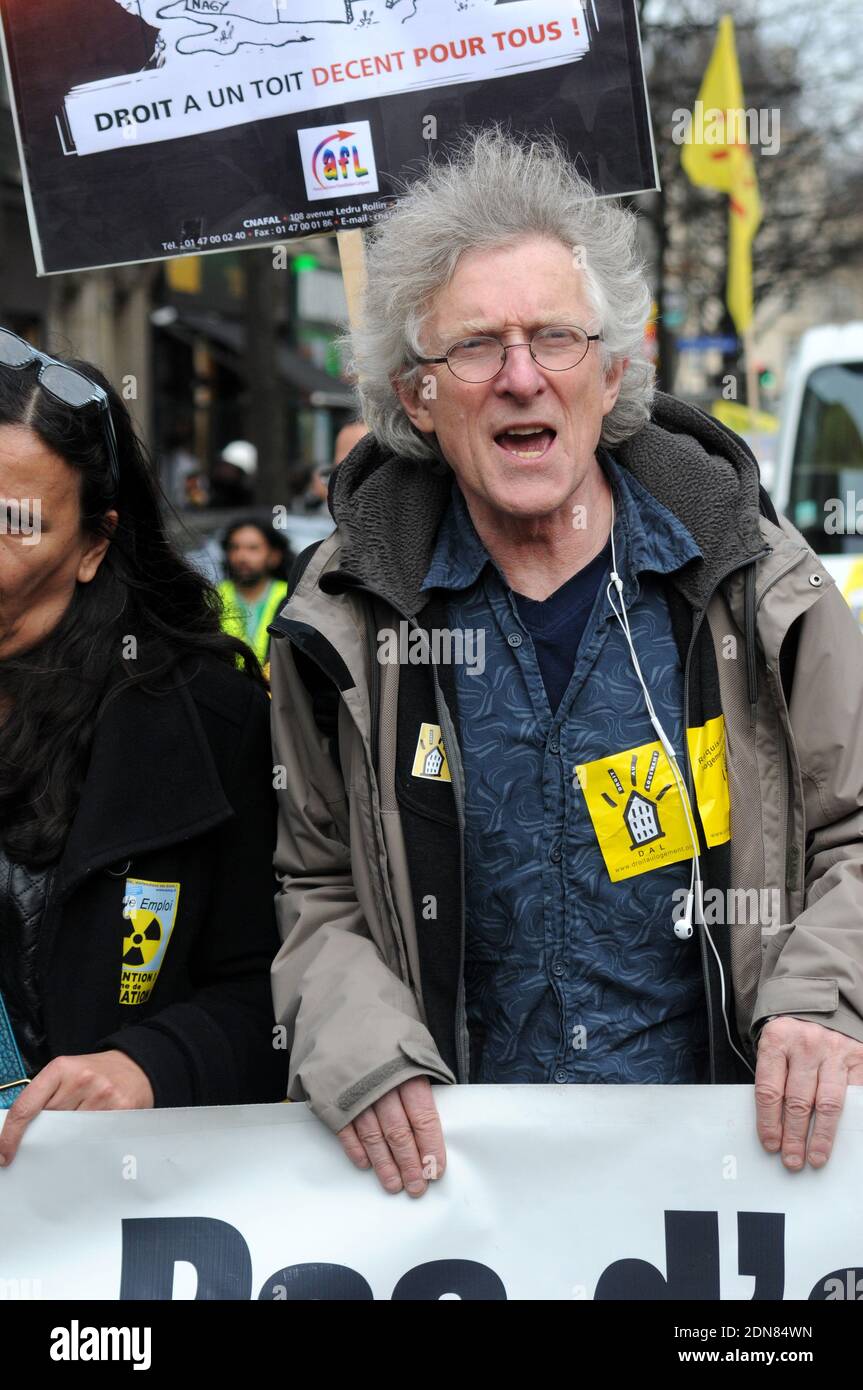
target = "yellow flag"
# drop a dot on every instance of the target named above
(717, 155)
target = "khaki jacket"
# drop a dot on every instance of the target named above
(347, 982)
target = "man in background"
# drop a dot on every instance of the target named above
(256, 556)
(347, 437)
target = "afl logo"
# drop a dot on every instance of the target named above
(334, 158)
(338, 162)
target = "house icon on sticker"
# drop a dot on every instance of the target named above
(642, 820)
(433, 763)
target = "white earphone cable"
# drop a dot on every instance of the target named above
(695, 898)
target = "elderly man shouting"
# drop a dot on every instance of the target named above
(627, 845)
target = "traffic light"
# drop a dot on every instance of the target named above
(766, 379)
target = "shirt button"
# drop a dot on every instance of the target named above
(561, 1075)
(554, 854)
(514, 639)
(558, 968)
(554, 746)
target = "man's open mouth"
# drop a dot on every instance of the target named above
(528, 442)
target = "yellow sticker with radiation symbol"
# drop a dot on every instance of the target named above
(149, 914)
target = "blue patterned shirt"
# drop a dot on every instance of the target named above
(572, 975)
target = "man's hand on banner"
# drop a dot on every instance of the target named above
(400, 1136)
(803, 1067)
(93, 1081)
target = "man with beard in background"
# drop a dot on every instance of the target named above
(255, 555)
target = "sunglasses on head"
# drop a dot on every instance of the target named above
(65, 384)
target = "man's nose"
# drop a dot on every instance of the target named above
(520, 375)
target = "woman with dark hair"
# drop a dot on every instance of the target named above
(136, 803)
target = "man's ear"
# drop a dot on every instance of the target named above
(612, 384)
(95, 550)
(414, 396)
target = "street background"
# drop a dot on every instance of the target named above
(209, 350)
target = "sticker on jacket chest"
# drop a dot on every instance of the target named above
(637, 807)
(430, 756)
(149, 913)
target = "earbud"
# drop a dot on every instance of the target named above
(683, 928)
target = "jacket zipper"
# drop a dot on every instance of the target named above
(375, 695)
(698, 615)
(462, 1040)
(784, 791)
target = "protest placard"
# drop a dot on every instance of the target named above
(149, 130)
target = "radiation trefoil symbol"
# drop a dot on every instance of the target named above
(142, 940)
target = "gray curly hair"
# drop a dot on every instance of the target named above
(494, 189)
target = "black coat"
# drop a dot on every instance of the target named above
(179, 796)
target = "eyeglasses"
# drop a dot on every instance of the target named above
(481, 358)
(65, 384)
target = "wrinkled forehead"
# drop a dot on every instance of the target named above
(525, 285)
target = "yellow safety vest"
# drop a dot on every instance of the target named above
(234, 621)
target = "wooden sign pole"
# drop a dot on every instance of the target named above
(353, 258)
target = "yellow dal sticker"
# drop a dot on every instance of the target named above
(636, 806)
(707, 760)
(430, 756)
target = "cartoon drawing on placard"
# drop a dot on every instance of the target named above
(187, 27)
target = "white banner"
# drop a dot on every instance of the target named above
(551, 1192)
(224, 62)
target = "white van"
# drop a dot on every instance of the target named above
(819, 465)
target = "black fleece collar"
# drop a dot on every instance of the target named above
(388, 509)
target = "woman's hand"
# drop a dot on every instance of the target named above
(95, 1081)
